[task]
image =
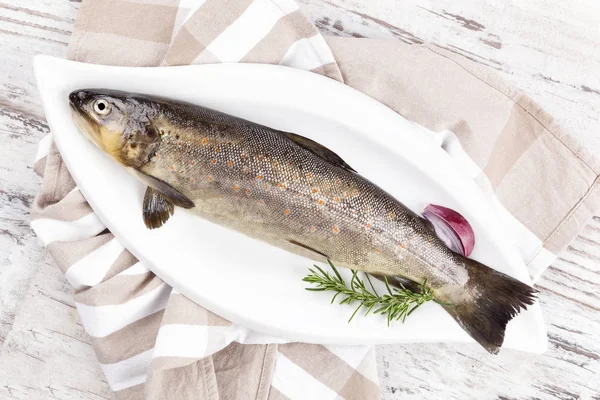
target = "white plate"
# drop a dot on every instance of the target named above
(246, 281)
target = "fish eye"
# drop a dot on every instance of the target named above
(101, 107)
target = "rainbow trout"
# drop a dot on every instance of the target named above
(293, 193)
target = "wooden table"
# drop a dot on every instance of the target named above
(549, 48)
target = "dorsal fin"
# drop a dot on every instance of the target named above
(318, 149)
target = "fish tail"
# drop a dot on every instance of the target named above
(492, 300)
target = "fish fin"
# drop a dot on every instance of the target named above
(428, 225)
(156, 209)
(307, 248)
(492, 300)
(168, 191)
(399, 282)
(318, 149)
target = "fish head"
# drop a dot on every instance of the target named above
(119, 123)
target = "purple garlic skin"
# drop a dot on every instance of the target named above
(452, 228)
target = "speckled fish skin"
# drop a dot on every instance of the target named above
(257, 180)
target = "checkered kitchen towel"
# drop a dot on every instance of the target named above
(154, 343)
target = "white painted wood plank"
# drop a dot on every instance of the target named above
(47, 353)
(548, 48)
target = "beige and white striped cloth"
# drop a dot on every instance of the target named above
(154, 343)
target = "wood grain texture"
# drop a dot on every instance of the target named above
(548, 48)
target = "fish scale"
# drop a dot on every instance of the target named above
(293, 193)
(237, 173)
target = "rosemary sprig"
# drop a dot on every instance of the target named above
(397, 304)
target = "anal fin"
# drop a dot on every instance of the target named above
(156, 209)
(399, 282)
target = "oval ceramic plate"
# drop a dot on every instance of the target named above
(244, 280)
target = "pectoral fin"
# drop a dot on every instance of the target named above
(156, 209)
(168, 191)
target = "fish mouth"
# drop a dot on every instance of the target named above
(86, 125)
(78, 100)
(89, 127)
